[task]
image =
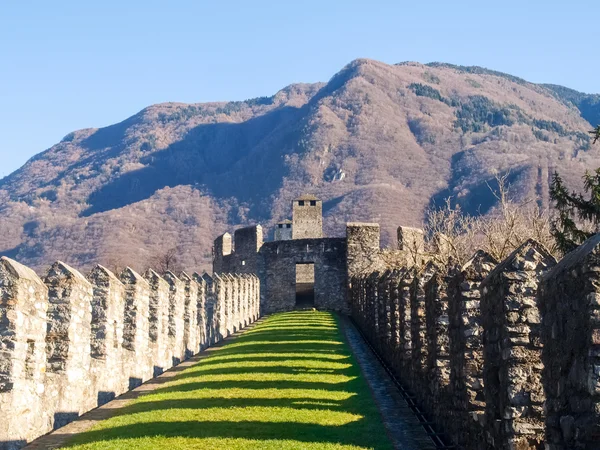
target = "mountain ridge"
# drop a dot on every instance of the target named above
(377, 142)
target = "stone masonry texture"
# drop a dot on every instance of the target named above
(500, 355)
(69, 343)
(570, 300)
(513, 349)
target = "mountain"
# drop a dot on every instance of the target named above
(377, 143)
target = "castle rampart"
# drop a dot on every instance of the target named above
(69, 344)
(501, 356)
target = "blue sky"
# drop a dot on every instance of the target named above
(66, 65)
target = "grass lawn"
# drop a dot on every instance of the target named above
(289, 383)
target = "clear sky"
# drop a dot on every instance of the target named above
(71, 64)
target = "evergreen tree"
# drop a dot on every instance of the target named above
(573, 207)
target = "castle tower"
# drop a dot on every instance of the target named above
(307, 212)
(283, 231)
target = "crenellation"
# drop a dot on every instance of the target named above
(190, 315)
(405, 322)
(237, 313)
(23, 308)
(136, 328)
(203, 334)
(467, 418)
(437, 323)
(69, 391)
(230, 308)
(176, 313)
(211, 313)
(512, 349)
(570, 305)
(158, 318)
(384, 310)
(419, 350)
(221, 306)
(108, 308)
(395, 290)
(69, 343)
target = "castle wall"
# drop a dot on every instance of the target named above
(278, 274)
(466, 409)
(500, 356)
(514, 396)
(158, 330)
(222, 247)
(69, 390)
(23, 309)
(244, 257)
(283, 231)
(363, 248)
(570, 304)
(69, 344)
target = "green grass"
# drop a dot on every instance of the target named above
(289, 383)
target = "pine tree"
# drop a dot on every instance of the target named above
(596, 133)
(573, 207)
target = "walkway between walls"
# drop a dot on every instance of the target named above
(402, 425)
(60, 437)
(301, 380)
(290, 382)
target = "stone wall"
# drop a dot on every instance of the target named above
(307, 218)
(240, 255)
(466, 402)
(278, 274)
(363, 253)
(69, 343)
(570, 304)
(275, 265)
(514, 396)
(500, 355)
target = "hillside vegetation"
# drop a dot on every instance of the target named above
(377, 143)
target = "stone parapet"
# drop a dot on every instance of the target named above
(570, 306)
(514, 405)
(69, 343)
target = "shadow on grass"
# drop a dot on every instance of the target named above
(302, 432)
(320, 379)
(265, 369)
(341, 386)
(309, 403)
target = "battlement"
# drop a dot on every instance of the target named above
(70, 343)
(248, 240)
(499, 354)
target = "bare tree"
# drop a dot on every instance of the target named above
(510, 224)
(166, 261)
(454, 236)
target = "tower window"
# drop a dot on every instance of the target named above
(300, 202)
(288, 225)
(313, 203)
(280, 225)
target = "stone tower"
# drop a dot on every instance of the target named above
(307, 212)
(283, 231)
